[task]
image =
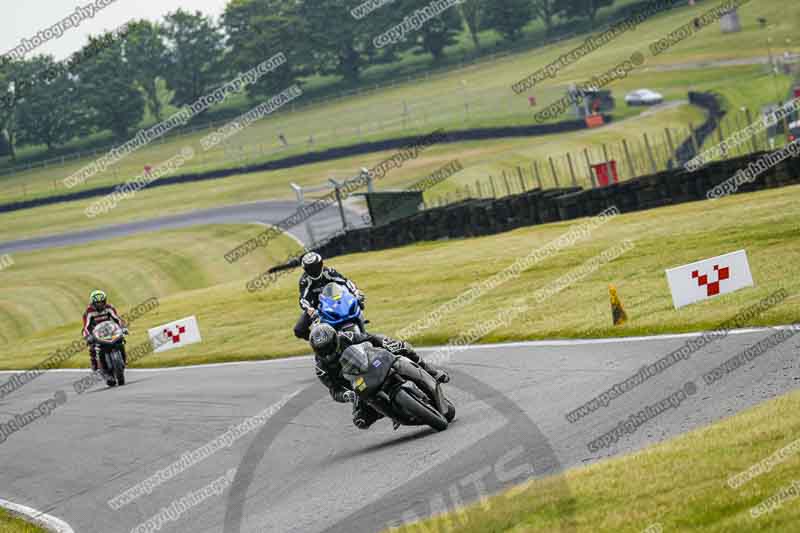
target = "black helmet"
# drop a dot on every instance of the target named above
(325, 342)
(312, 265)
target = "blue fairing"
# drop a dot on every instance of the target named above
(338, 308)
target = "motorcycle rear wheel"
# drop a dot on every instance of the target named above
(420, 410)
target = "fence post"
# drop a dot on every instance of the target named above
(478, 188)
(669, 142)
(589, 168)
(553, 170)
(538, 175)
(650, 153)
(750, 121)
(628, 158)
(521, 180)
(572, 170)
(494, 189)
(508, 187)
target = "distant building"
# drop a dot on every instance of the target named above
(730, 23)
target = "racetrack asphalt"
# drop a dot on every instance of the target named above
(308, 470)
(326, 222)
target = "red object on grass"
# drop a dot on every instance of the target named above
(532, 101)
(593, 121)
(601, 171)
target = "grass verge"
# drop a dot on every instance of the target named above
(40, 308)
(680, 485)
(12, 524)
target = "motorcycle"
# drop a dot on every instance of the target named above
(110, 338)
(396, 387)
(339, 308)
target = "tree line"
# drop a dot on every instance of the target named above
(109, 84)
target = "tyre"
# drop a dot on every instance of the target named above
(119, 367)
(420, 410)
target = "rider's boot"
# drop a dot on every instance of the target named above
(437, 373)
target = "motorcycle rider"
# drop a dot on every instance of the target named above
(100, 310)
(328, 345)
(314, 278)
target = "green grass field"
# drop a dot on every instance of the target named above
(11, 524)
(439, 102)
(680, 484)
(479, 158)
(185, 269)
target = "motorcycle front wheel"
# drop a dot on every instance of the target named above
(420, 410)
(118, 367)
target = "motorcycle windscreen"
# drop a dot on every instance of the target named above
(107, 332)
(366, 367)
(337, 305)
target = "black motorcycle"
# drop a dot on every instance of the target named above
(396, 387)
(110, 338)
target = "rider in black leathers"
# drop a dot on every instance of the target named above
(328, 345)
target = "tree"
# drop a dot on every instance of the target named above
(342, 45)
(545, 10)
(146, 55)
(436, 33)
(584, 9)
(259, 29)
(472, 11)
(509, 17)
(108, 88)
(51, 113)
(195, 55)
(16, 79)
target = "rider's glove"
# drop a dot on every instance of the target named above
(395, 346)
(362, 298)
(124, 331)
(89, 339)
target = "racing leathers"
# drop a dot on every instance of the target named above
(329, 373)
(92, 317)
(310, 290)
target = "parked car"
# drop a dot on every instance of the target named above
(644, 97)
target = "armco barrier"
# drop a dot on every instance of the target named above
(316, 157)
(474, 218)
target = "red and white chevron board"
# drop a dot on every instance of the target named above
(175, 334)
(708, 278)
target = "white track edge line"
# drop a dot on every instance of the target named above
(44, 520)
(423, 349)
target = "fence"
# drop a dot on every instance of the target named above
(634, 157)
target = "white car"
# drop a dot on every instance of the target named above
(644, 97)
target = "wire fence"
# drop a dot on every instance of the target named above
(632, 158)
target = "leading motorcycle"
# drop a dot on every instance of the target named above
(339, 308)
(110, 337)
(396, 387)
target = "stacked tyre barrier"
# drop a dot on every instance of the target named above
(480, 217)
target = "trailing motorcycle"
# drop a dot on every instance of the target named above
(110, 338)
(396, 387)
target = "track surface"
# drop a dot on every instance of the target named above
(309, 470)
(266, 212)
